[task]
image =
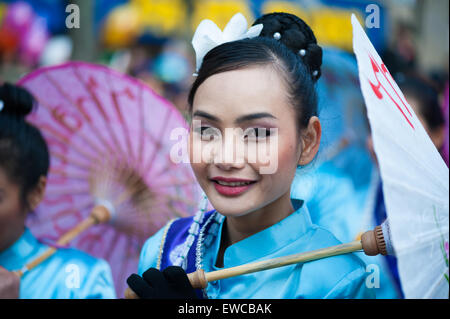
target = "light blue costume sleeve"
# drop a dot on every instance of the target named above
(150, 252)
(342, 276)
(68, 274)
(80, 276)
(100, 284)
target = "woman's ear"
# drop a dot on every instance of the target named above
(37, 194)
(310, 139)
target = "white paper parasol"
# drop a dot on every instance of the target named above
(415, 178)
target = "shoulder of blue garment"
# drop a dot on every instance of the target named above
(69, 273)
(334, 269)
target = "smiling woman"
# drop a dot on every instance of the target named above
(252, 94)
(244, 93)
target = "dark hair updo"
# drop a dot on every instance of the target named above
(287, 43)
(24, 154)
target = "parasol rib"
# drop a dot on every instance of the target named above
(58, 136)
(76, 208)
(69, 175)
(70, 160)
(176, 184)
(149, 166)
(121, 118)
(142, 125)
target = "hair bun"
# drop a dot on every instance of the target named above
(294, 33)
(16, 100)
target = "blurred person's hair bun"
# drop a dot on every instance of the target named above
(294, 33)
(24, 154)
(16, 101)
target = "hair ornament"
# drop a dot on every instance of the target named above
(277, 36)
(208, 35)
(302, 52)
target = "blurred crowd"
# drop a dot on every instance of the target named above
(150, 39)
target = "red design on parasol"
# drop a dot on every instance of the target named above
(377, 88)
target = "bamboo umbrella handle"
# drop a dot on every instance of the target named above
(99, 214)
(370, 242)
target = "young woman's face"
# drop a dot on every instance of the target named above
(12, 214)
(240, 168)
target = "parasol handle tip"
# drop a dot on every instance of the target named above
(198, 279)
(373, 242)
(101, 214)
(130, 294)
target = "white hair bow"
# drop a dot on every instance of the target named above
(208, 35)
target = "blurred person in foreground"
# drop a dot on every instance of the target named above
(24, 164)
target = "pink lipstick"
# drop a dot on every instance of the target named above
(231, 186)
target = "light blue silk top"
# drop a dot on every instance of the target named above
(68, 274)
(334, 277)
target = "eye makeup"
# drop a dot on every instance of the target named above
(255, 127)
(257, 133)
(238, 121)
(207, 133)
(254, 116)
(205, 115)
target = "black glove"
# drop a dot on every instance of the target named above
(171, 283)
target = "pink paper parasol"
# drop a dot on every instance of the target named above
(109, 139)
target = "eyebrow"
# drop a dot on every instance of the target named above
(244, 118)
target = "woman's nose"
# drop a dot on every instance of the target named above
(232, 152)
(228, 166)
